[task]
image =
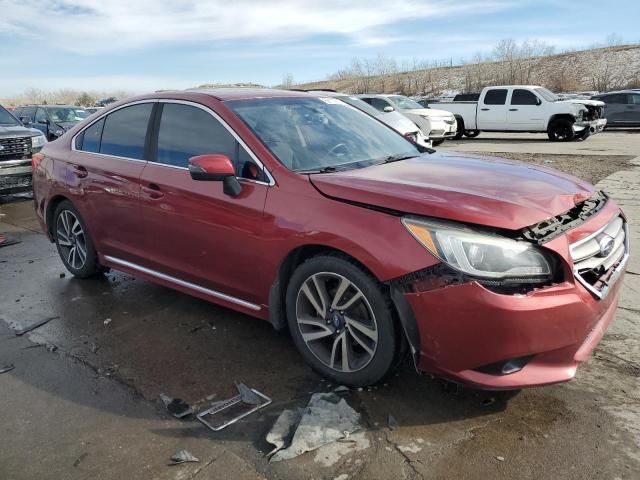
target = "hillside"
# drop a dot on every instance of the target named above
(595, 69)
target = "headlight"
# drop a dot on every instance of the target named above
(477, 254)
(38, 141)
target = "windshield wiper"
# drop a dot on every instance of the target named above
(327, 169)
(397, 158)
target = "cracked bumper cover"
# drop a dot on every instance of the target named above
(594, 126)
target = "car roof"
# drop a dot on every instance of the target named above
(628, 90)
(238, 93)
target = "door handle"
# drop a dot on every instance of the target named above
(152, 191)
(485, 109)
(79, 171)
(513, 109)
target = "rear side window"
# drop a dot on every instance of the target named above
(125, 131)
(186, 131)
(496, 96)
(618, 98)
(89, 140)
(523, 97)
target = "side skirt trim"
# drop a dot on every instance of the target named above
(183, 283)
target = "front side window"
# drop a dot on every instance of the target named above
(496, 96)
(313, 134)
(41, 116)
(380, 104)
(634, 98)
(523, 97)
(187, 131)
(125, 131)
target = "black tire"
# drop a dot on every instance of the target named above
(561, 131)
(459, 128)
(435, 143)
(471, 133)
(388, 343)
(89, 267)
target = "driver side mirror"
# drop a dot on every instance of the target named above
(388, 109)
(538, 102)
(26, 121)
(216, 168)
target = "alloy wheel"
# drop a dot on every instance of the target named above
(71, 239)
(336, 322)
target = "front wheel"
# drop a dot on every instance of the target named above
(561, 131)
(435, 143)
(471, 133)
(75, 246)
(459, 128)
(341, 321)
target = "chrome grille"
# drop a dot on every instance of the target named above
(600, 258)
(11, 148)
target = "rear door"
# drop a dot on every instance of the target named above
(193, 231)
(492, 109)
(615, 108)
(525, 112)
(632, 112)
(105, 169)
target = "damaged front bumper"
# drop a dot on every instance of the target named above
(15, 176)
(584, 128)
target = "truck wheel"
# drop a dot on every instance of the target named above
(471, 133)
(435, 143)
(460, 129)
(561, 131)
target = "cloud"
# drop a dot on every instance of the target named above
(112, 26)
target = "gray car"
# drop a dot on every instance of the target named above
(622, 108)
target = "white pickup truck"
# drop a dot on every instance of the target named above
(526, 108)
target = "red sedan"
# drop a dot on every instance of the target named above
(303, 211)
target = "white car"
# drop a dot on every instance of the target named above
(395, 120)
(438, 125)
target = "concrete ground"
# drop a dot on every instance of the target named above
(82, 401)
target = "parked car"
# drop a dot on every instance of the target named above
(438, 125)
(622, 108)
(92, 110)
(17, 145)
(395, 120)
(313, 215)
(51, 120)
(526, 108)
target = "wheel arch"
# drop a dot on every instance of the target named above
(50, 210)
(560, 116)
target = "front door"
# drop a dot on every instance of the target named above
(632, 111)
(525, 112)
(194, 232)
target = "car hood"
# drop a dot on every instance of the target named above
(465, 188)
(17, 131)
(592, 103)
(429, 112)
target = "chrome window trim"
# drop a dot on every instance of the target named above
(183, 283)
(270, 183)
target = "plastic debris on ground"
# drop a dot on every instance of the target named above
(6, 241)
(21, 331)
(392, 423)
(327, 418)
(183, 456)
(6, 368)
(227, 412)
(176, 406)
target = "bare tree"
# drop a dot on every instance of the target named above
(287, 81)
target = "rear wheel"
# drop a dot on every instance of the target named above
(471, 133)
(341, 320)
(561, 131)
(75, 246)
(435, 143)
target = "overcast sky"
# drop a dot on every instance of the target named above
(142, 45)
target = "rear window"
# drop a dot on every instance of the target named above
(89, 140)
(125, 131)
(497, 96)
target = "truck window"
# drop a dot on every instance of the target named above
(496, 96)
(523, 97)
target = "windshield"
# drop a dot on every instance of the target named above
(7, 119)
(65, 114)
(312, 134)
(82, 113)
(404, 103)
(548, 95)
